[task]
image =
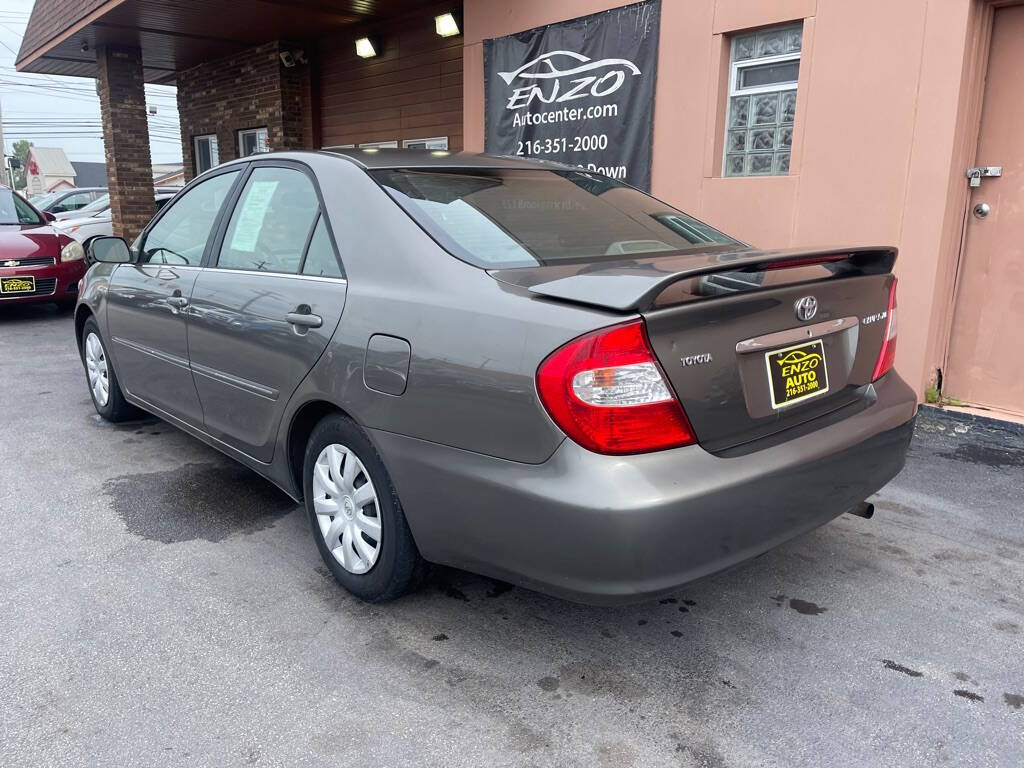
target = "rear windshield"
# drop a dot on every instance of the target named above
(502, 218)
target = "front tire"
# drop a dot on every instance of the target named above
(356, 517)
(104, 389)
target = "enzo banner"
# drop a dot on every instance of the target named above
(579, 92)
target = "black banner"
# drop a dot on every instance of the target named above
(579, 92)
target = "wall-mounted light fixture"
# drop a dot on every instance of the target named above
(366, 48)
(446, 25)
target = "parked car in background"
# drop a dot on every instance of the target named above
(95, 219)
(37, 261)
(513, 367)
(65, 200)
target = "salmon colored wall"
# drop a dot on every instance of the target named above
(877, 139)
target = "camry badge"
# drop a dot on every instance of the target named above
(806, 308)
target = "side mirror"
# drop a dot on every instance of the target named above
(109, 250)
(49, 216)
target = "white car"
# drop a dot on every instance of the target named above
(94, 219)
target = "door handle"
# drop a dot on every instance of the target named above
(304, 319)
(177, 301)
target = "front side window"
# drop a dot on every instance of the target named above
(179, 237)
(73, 202)
(271, 222)
(500, 218)
(14, 210)
(763, 74)
(206, 154)
(252, 142)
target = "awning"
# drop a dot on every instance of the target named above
(62, 35)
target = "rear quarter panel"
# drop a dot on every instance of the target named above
(476, 343)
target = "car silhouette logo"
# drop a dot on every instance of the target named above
(806, 308)
(580, 64)
(584, 78)
(800, 360)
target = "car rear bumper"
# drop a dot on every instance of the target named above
(54, 282)
(606, 529)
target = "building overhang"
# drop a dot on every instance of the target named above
(62, 36)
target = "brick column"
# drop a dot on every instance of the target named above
(125, 139)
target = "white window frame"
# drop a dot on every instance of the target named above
(214, 151)
(435, 142)
(259, 133)
(738, 66)
(380, 144)
(735, 68)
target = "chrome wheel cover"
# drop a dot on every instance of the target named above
(346, 508)
(96, 367)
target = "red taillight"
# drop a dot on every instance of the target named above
(888, 353)
(607, 392)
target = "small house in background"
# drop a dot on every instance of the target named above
(48, 170)
(168, 174)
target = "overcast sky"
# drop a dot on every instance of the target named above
(52, 111)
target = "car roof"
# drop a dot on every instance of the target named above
(374, 158)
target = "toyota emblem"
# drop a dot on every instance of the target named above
(806, 308)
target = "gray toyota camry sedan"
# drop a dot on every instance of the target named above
(517, 368)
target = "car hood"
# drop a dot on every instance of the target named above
(66, 224)
(18, 241)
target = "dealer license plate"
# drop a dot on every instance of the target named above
(18, 284)
(797, 373)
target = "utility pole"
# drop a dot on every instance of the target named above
(8, 165)
(3, 150)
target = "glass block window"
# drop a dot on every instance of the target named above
(764, 69)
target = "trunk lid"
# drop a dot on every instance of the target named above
(743, 359)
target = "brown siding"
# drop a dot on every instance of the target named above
(52, 17)
(411, 90)
(249, 90)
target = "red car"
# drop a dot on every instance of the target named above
(37, 261)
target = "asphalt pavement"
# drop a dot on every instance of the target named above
(160, 605)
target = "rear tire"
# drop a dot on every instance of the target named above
(104, 389)
(356, 516)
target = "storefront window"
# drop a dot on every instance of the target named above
(763, 75)
(252, 142)
(206, 155)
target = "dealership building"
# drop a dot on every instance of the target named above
(784, 123)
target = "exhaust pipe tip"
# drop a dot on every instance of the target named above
(865, 509)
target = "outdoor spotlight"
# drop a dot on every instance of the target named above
(366, 48)
(446, 25)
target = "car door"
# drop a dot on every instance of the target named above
(147, 301)
(265, 307)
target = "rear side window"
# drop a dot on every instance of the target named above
(321, 261)
(271, 222)
(502, 218)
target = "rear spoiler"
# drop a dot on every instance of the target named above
(635, 284)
